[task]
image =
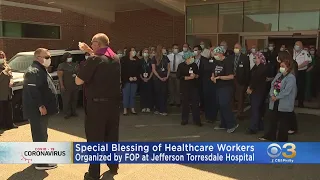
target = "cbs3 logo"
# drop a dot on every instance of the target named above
(274, 150)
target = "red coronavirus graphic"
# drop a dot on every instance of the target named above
(25, 159)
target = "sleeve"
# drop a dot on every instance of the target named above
(195, 69)
(179, 73)
(124, 71)
(258, 77)
(138, 68)
(229, 67)
(272, 83)
(88, 69)
(32, 84)
(60, 67)
(308, 57)
(287, 89)
(247, 69)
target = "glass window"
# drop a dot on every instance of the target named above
(209, 40)
(261, 16)
(202, 19)
(299, 15)
(25, 30)
(231, 17)
(231, 39)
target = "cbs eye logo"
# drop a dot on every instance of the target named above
(288, 150)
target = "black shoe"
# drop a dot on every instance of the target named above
(67, 117)
(113, 170)
(250, 131)
(12, 127)
(45, 166)
(88, 177)
(198, 124)
(183, 123)
(74, 115)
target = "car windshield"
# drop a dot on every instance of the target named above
(21, 63)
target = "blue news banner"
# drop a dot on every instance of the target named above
(197, 153)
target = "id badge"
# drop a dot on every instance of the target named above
(162, 69)
(211, 61)
(145, 75)
(190, 71)
(74, 75)
(241, 65)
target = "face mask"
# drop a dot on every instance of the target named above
(202, 46)
(88, 57)
(297, 48)
(133, 53)
(195, 53)
(46, 62)
(175, 51)
(236, 51)
(282, 70)
(281, 49)
(271, 48)
(217, 57)
(1, 61)
(120, 55)
(145, 54)
(312, 52)
(253, 50)
(69, 60)
(185, 49)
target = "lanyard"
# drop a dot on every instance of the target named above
(145, 65)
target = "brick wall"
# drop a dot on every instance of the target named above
(140, 29)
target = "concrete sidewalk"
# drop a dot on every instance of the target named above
(156, 128)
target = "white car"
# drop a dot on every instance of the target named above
(19, 64)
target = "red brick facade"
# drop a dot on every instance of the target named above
(139, 29)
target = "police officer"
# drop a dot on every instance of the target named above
(303, 59)
(69, 90)
(188, 73)
(101, 75)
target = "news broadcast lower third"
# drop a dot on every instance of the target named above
(159, 153)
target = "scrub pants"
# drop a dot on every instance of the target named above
(190, 96)
(224, 99)
(257, 100)
(210, 101)
(146, 94)
(39, 128)
(6, 120)
(161, 92)
(301, 84)
(70, 101)
(129, 94)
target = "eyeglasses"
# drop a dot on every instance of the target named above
(46, 57)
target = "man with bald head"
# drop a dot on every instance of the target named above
(241, 70)
(39, 99)
(101, 76)
(303, 58)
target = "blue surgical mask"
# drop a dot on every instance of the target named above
(297, 48)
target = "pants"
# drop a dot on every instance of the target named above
(201, 95)
(129, 95)
(70, 101)
(278, 125)
(39, 128)
(210, 102)
(146, 94)
(224, 99)
(161, 93)
(293, 123)
(301, 84)
(6, 120)
(174, 89)
(257, 101)
(239, 96)
(190, 96)
(102, 125)
(266, 96)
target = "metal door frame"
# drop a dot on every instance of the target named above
(244, 38)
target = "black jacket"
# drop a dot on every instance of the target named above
(258, 78)
(5, 90)
(242, 75)
(38, 90)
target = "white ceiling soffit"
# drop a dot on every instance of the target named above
(172, 7)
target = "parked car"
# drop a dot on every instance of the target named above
(19, 64)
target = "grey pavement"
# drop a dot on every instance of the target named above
(155, 128)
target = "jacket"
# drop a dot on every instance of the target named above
(5, 90)
(38, 90)
(287, 95)
(242, 75)
(258, 79)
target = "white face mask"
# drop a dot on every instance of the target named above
(185, 49)
(202, 46)
(175, 51)
(145, 54)
(195, 53)
(46, 62)
(271, 48)
(1, 61)
(253, 50)
(86, 57)
(133, 53)
(69, 60)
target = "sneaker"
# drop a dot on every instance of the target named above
(45, 166)
(156, 113)
(233, 129)
(164, 114)
(263, 139)
(290, 132)
(219, 128)
(144, 110)
(148, 110)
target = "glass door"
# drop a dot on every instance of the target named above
(259, 41)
